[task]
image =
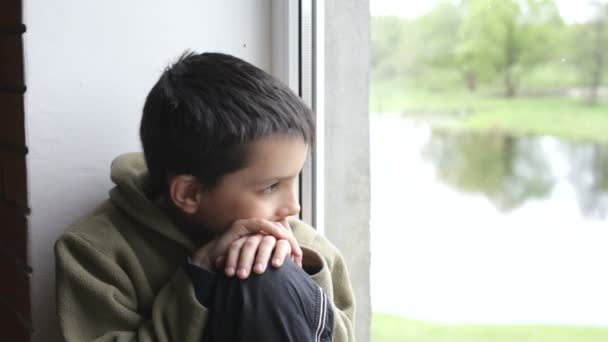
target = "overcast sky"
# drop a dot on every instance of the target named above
(571, 10)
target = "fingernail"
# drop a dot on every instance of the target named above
(230, 271)
(259, 267)
(242, 272)
(277, 262)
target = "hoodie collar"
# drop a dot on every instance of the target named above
(129, 173)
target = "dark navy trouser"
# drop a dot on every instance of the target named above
(281, 305)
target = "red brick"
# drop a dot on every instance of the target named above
(12, 130)
(10, 12)
(14, 287)
(13, 185)
(11, 60)
(13, 232)
(13, 330)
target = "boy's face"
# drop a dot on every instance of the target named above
(265, 188)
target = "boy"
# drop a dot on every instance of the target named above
(170, 256)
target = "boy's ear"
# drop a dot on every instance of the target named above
(184, 191)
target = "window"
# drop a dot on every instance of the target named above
(297, 61)
(489, 159)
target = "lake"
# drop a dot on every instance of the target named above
(487, 228)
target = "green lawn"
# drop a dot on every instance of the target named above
(387, 328)
(564, 117)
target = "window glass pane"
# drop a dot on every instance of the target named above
(489, 170)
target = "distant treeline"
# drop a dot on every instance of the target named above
(507, 44)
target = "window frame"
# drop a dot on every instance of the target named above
(298, 61)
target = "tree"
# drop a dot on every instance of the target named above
(599, 46)
(505, 39)
(395, 48)
(413, 50)
(437, 29)
(587, 43)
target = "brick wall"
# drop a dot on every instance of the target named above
(15, 315)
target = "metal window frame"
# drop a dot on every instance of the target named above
(297, 60)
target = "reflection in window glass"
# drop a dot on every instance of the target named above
(489, 152)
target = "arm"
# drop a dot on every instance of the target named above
(96, 300)
(333, 278)
(344, 302)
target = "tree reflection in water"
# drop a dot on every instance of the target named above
(512, 170)
(589, 175)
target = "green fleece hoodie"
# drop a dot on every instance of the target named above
(120, 275)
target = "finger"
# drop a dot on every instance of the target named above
(252, 226)
(285, 224)
(233, 256)
(242, 228)
(263, 255)
(219, 261)
(296, 251)
(247, 255)
(281, 251)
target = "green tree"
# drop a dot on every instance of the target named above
(415, 50)
(587, 45)
(394, 51)
(437, 29)
(600, 45)
(506, 38)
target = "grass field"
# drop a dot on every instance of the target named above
(387, 328)
(559, 116)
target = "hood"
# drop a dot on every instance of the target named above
(129, 173)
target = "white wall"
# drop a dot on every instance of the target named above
(89, 65)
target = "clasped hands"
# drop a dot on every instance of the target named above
(248, 246)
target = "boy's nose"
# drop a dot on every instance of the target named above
(294, 208)
(291, 207)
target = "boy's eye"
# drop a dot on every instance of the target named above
(270, 189)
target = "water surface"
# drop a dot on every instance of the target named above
(487, 228)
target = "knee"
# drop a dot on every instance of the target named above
(282, 301)
(278, 277)
(275, 285)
